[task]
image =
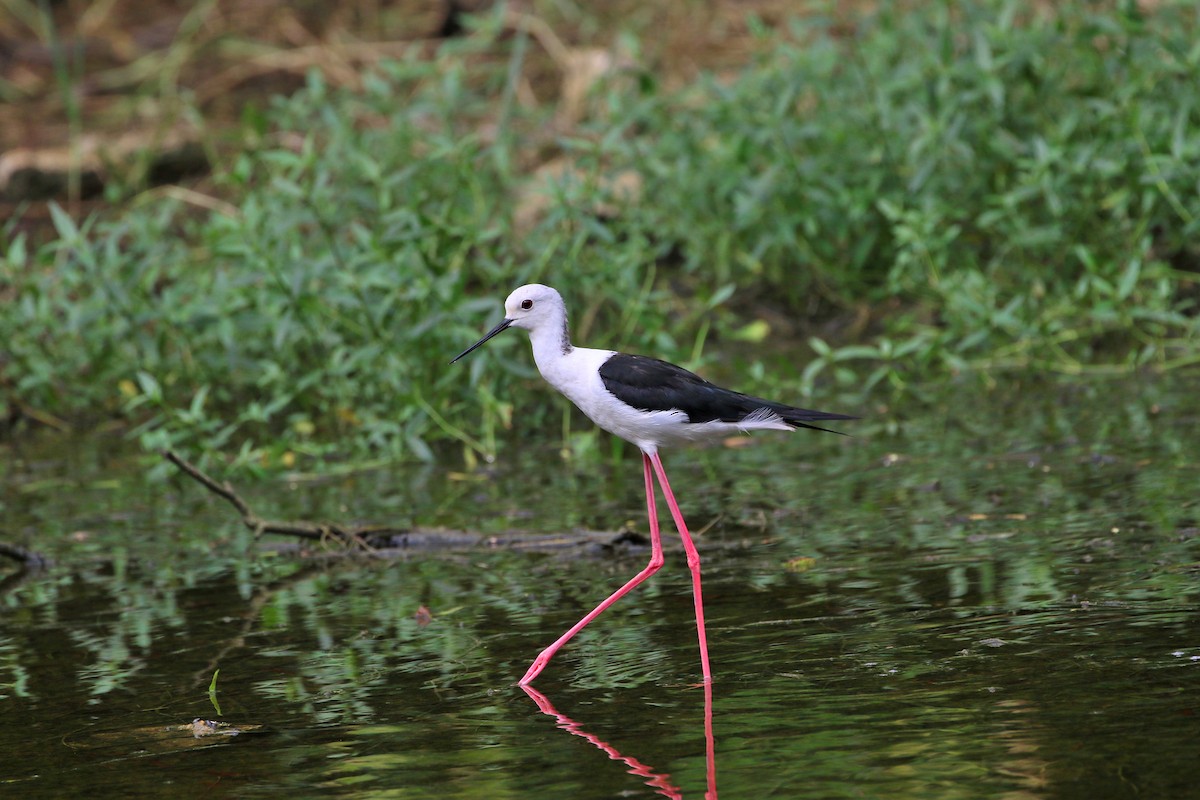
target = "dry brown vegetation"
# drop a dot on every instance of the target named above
(146, 92)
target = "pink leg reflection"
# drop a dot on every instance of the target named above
(710, 744)
(660, 782)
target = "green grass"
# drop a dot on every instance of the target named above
(997, 193)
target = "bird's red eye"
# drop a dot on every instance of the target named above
(526, 304)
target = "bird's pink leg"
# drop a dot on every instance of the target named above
(656, 562)
(693, 561)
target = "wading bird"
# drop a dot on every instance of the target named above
(649, 403)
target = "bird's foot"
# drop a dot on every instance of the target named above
(535, 669)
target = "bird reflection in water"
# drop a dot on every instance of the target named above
(659, 781)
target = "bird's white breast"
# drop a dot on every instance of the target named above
(577, 375)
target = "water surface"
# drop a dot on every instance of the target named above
(989, 596)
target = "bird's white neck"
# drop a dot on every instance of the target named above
(553, 354)
(550, 344)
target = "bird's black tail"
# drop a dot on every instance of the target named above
(801, 417)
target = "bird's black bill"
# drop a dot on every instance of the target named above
(503, 326)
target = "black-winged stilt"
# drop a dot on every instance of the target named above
(649, 403)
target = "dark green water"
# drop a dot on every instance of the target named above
(988, 596)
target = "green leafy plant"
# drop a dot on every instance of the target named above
(985, 187)
(212, 692)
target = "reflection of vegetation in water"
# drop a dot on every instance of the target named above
(993, 193)
(965, 518)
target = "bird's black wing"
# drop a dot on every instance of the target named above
(649, 384)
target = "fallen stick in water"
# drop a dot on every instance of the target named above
(382, 539)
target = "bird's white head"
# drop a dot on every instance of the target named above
(533, 306)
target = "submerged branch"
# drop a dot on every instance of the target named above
(29, 559)
(29, 562)
(304, 530)
(387, 541)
